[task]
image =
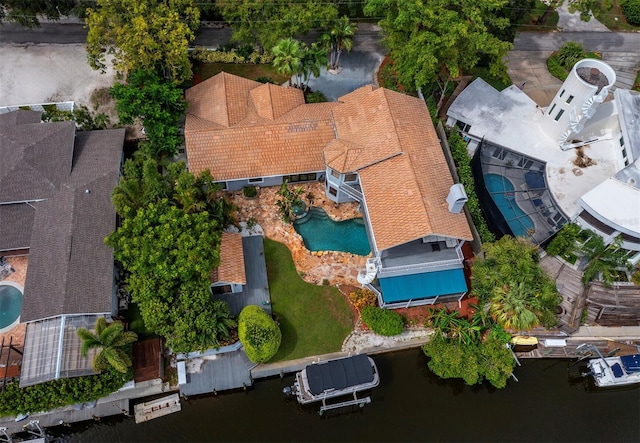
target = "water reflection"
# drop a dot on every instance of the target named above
(411, 404)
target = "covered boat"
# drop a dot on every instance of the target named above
(335, 378)
(615, 371)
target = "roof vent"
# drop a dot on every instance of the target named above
(456, 198)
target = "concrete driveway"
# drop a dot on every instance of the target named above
(530, 68)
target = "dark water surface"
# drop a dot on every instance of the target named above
(409, 405)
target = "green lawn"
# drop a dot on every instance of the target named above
(313, 319)
(613, 18)
(246, 70)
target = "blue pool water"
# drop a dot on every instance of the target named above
(10, 305)
(501, 190)
(320, 233)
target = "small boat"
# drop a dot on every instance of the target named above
(613, 371)
(157, 408)
(336, 378)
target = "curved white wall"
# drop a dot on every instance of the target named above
(576, 100)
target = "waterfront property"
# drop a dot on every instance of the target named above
(373, 146)
(55, 207)
(577, 160)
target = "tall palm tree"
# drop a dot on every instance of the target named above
(287, 57)
(339, 38)
(314, 57)
(603, 260)
(110, 340)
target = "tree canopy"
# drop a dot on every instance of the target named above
(158, 104)
(434, 41)
(25, 12)
(147, 34)
(517, 292)
(265, 22)
(259, 334)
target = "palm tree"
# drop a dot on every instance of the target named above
(314, 57)
(510, 307)
(287, 57)
(339, 37)
(603, 260)
(109, 339)
(221, 325)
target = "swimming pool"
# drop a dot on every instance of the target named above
(502, 192)
(320, 233)
(10, 305)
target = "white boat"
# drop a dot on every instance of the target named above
(336, 378)
(615, 371)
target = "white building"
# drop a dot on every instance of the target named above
(585, 147)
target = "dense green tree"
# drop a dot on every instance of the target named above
(258, 333)
(338, 38)
(111, 341)
(602, 261)
(564, 243)
(143, 34)
(26, 12)
(511, 283)
(170, 253)
(265, 22)
(156, 103)
(382, 321)
(434, 42)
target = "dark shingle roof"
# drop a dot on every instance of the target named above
(70, 267)
(36, 159)
(16, 221)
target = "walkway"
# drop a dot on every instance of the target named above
(568, 22)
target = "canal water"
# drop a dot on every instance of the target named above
(409, 405)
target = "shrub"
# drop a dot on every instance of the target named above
(316, 97)
(258, 333)
(631, 10)
(382, 321)
(569, 54)
(249, 191)
(231, 55)
(363, 297)
(264, 79)
(564, 242)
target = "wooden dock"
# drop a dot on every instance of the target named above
(157, 408)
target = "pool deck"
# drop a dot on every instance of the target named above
(314, 267)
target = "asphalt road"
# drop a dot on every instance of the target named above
(591, 41)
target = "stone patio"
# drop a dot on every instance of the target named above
(314, 267)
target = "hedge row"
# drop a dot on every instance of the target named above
(631, 10)
(382, 321)
(232, 56)
(463, 164)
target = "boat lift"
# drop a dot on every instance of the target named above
(356, 401)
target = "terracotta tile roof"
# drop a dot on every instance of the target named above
(281, 133)
(231, 269)
(271, 101)
(391, 142)
(386, 136)
(221, 99)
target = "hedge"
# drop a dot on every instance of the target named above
(382, 321)
(58, 393)
(205, 55)
(463, 165)
(258, 333)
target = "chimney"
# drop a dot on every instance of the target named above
(456, 198)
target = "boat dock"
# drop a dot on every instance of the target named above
(157, 408)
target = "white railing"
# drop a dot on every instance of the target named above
(351, 192)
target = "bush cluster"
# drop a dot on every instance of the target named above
(463, 164)
(362, 297)
(631, 10)
(382, 321)
(259, 334)
(249, 191)
(232, 56)
(57, 393)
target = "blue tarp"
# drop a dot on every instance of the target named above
(426, 285)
